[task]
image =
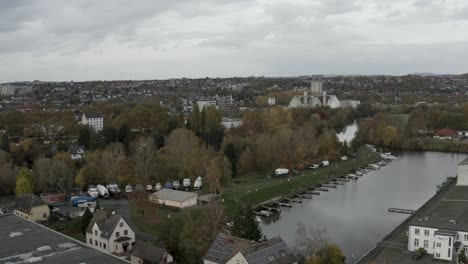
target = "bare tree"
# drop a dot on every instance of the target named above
(215, 217)
(218, 170)
(309, 241)
(144, 155)
(112, 158)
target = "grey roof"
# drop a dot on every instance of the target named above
(174, 195)
(105, 223)
(26, 202)
(226, 246)
(22, 240)
(147, 252)
(449, 213)
(122, 239)
(93, 115)
(464, 162)
(73, 149)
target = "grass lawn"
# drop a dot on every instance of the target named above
(153, 219)
(263, 189)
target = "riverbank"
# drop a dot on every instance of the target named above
(266, 189)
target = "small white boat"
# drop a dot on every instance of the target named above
(176, 185)
(374, 166)
(359, 173)
(128, 188)
(102, 191)
(263, 213)
(186, 183)
(198, 183)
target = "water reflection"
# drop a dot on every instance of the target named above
(355, 214)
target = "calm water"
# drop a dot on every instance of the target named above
(355, 214)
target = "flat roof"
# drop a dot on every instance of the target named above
(449, 213)
(174, 195)
(24, 241)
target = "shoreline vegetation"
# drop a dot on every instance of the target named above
(266, 190)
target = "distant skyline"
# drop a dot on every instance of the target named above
(52, 40)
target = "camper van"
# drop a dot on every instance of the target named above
(280, 172)
(103, 192)
(157, 187)
(198, 183)
(186, 183)
(149, 188)
(93, 191)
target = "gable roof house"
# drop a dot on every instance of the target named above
(146, 253)
(231, 249)
(110, 234)
(76, 152)
(31, 207)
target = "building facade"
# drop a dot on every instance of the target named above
(110, 234)
(31, 207)
(174, 198)
(93, 120)
(442, 230)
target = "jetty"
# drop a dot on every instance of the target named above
(401, 211)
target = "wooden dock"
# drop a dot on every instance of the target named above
(283, 204)
(329, 185)
(304, 196)
(274, 209)
(401, 211)
(313, 192)
(322, 189)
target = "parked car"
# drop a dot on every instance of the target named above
(93, 191)
(344, 158)
(417, 256)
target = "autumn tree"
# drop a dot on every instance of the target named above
(144, 156)
(309, 241)
(52, 175)
(7, 174)
(24, 182)
(112, 160)
(331, 254)
(4, 143)
(218, 171)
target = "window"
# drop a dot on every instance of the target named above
(104, 245)
(100, 244)
(450, 242)
(95, 242)
(465, 237)
(439, 245)
(437, 255)
(416, 242)
(121, 224)
(271, 257)
(90, 241)
(416, 231)
(465, 248)
(426, 232)
(426, 243)
(449, 252)
(117, 234)
(116, 247)
(95, 232)
(126, 232)
(283, 253)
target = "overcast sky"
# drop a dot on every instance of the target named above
(158, 39)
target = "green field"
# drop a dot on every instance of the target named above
(257, 190)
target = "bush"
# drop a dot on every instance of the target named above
(421, 251)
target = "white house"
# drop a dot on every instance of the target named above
(93, 120)
(205, 103)
(110, 234)
(442, 230)
(76, 152)
(227, 249)
(174, 198)
(229, 123)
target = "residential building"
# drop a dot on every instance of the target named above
(31, 207)
(110, 234)
(442, 230)
(231, 249)
(93, 120)
(205, 103)
(446, 133)
(146, 253)
(76, 152)
(26, 242)
(174, 198)
(9, 89)
(229, 123)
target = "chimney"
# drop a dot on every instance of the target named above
(324, 102)
(305, 98)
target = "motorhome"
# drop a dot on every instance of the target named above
(113, 189)
(176, 185)
(103, 192)
(186, 183)
(279, 172)
(198, 183)
(93, 191)
(157, 187)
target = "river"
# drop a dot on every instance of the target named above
(355, 214)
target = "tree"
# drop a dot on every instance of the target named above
(7, 174)
(465, 111)
(5, 143)
(331, 254)
(245, 225)
(84, 137)
(111, 159)
(144, 157)
(85, 219)
(110, 134)
(462, 257)
(195, 119)
(231, 153)
(52, 175)
(24, 182)
(125, 135)
(218, 171)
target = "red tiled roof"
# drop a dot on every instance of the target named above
(447, 132)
